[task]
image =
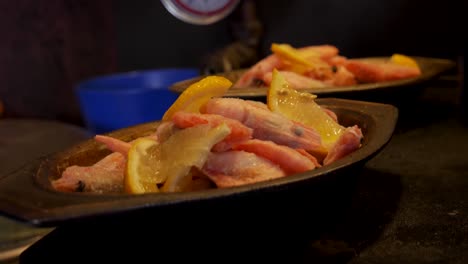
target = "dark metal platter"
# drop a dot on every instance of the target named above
(26, 194)
(430, 68)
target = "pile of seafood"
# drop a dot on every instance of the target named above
(222, 142)
(322, 66)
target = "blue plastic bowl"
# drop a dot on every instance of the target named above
(116, 101)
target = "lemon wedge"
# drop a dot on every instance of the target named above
(301, 107)
(186, 149)
(141, 174)
(290, 54)
(197, 94)
(404, 60)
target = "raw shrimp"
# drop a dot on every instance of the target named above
(290, 160)
(369, 72)
(239, 132)
(257, 71)
(235, 168)
(105, 176)
(348, 142)
(268, 125)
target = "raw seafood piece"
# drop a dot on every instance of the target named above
(105, 176)
(306, 154)
(115, 145)
(257, 71)
(369, 72)
(348, 142)
(342, 77)
(327, 67)
(239, 132)
(259, 142)
(268, 125)
(336, 60)
(317, 55)
(235, 168)
(290, 160)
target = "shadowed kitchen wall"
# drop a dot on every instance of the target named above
(48, 46)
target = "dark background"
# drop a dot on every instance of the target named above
(148, 36)
(47, 47)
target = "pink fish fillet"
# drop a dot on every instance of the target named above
(235, 168)
(106, 176)
(348, 142)
(239, 132)
(267, 125)
(296, 80)
(257, 71)
(290, 160)
(370, 72)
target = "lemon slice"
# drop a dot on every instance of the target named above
(301, 107)
(141, 175)
(288, 53)
(197, 94)
(404, 60)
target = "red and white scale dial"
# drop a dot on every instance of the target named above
(200, 12)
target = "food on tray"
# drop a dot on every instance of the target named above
(208, 141)
(322, 66)
(280, 99)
